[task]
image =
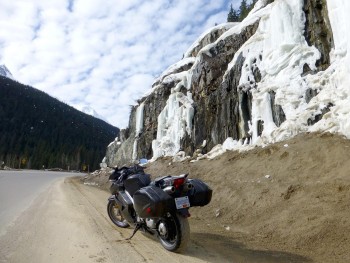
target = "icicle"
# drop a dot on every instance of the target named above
(138, 129)
(174, 122)
(139, 119)
(134, 151)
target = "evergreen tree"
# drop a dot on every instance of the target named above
(232, 15)
(251, 6)
(37, 130)
(243, 10)
(235, 16)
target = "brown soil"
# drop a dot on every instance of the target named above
(290, 199)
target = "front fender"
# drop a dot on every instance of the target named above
(112, 198)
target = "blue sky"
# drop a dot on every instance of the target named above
(102, 54)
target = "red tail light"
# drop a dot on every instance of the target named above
(178, 182)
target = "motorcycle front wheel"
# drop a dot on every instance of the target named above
(174, 233)
(115, 215)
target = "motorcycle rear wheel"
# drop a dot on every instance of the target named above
(176, 233)
(115, 215)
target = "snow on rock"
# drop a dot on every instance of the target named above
(171, 72)
(180, 157)
(103, 164)
(333, 84)
(90, 111)
(228, 145)
(112, 148)
(116, 141)
(207, 38)
(279, 51)
(260, 77)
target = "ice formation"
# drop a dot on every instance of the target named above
(279, 51)
(280, 44)
(139, 128)
(139, 119)
(174, 122)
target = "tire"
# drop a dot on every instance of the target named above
(115, 215)
(177, 233)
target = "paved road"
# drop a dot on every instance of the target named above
(18, 189)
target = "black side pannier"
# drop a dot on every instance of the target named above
(200, 194)
(136, 181)
(152, 201)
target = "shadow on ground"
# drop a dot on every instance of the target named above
(220, 248)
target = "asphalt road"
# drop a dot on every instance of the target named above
(18, 189)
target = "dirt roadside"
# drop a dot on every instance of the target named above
(287, 202)
(68, 223)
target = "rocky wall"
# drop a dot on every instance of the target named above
(318, 31)
(222, 108)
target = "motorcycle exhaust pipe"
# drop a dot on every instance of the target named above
(169, 189)
(188, 187)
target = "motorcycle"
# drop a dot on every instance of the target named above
(159, 207)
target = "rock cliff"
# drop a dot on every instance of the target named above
(247, 81)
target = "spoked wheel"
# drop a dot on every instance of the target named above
(115, 215)
(174, 233)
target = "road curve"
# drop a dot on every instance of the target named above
(19, 188)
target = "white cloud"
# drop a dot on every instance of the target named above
(100, 54)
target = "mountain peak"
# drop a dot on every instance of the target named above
(90, 111)
(5, 72)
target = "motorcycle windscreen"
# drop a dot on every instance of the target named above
(114, 188)
(151, 201)
(115, 175)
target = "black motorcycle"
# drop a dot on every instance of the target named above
(158, 207)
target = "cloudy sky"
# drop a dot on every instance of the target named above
(102, 54)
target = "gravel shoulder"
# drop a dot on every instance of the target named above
(68, 223)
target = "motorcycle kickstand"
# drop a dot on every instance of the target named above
(137, 228)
